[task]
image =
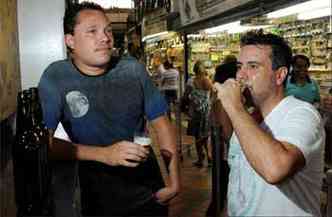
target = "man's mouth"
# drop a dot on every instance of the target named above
(245, 84)
(103, 49)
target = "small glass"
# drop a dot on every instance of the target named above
(143, 139)
(244, 84)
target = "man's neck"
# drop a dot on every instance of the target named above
(270, 103)
(89, 70)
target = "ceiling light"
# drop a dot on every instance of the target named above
(234, 27)
(153, 36)
(305, 7)
(314, 14)
(223, 28)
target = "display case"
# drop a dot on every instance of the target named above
(212, 49)
(312, 38)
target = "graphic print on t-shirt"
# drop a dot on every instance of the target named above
(78, 103)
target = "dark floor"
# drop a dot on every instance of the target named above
(196, 190)
(195, 184)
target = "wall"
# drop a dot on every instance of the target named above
(38, 23)
(40, 37)
(9, 61)
(9, 86)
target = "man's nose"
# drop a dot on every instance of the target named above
(241, 73)
(105, 36)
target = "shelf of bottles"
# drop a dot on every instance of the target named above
(212, 49)
(312, 38)
(32, 171)
(162, 47)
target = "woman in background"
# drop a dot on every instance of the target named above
(199, 106)
(300, 84)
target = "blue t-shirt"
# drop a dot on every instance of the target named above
(308, 92)
(101, 110)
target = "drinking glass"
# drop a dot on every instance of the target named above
(142, 138)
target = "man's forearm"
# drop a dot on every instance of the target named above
(65, 150)
(172, 166)
(166, 138)
(61, 150)
(265, 154)
(170, 156)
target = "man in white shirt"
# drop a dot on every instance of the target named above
(276, 166)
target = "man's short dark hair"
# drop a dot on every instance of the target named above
(225, 71)
(71, 14)
(281, 54)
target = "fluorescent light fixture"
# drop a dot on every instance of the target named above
(306, 7)
(234, 27)
(112, 3)
(222, 28)
(149, 37)
(314, 14)
(307, 10)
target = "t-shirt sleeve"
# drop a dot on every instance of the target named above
(50, 100)
(154, 103)
(302, 127)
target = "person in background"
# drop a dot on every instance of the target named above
(230, 59)
(157, 68)
(327, 102)
(223, 72)
(198, 92)
(326, 111)
(100, 110)
(170, 82)
(299, 84)
(276, 167)
(134, 45)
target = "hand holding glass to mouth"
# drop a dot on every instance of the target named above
(244, 84)
(230, 92)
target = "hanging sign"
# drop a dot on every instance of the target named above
(192, 11)
(154, 23)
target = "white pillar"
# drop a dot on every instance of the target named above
(40, 37)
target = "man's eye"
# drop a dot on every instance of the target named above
(108, 31)
(92, 31)
(252, 66)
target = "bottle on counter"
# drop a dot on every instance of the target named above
(32, 170)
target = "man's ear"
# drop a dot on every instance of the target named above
(281, 75)
(69, 40)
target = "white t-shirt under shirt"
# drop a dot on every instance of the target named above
(298, 123)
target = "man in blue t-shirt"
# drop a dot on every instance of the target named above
(100, 108)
